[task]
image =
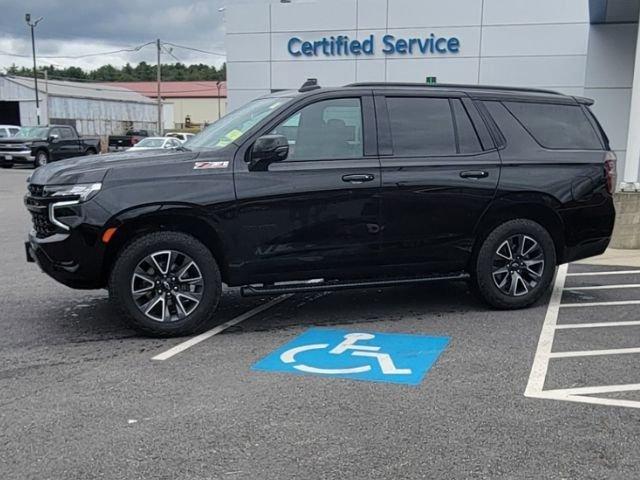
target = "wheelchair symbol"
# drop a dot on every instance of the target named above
(348, 344)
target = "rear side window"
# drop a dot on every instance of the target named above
(421, 126)
(468, 141)
(556, 126)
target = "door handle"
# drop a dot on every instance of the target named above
(358, 178)
(474, 174)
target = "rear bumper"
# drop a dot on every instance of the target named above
(587, 230)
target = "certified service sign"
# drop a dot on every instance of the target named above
(342, 45)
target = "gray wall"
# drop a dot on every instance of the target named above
(608, 80)
(508, 42)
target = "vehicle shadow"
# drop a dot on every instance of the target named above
(366, 306)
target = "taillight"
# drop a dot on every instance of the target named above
(610, 170)
(134, 140)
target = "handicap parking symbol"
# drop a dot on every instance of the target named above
(373, 357)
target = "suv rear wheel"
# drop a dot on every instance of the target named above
(166, 284)
(515, 264)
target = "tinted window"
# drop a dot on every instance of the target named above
(421, 126)
(13, 131)
(66, 133)
(556, 126)
(326, 130)
(56, 131)
(3, 133)
(468, 141)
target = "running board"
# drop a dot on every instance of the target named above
(311, 286)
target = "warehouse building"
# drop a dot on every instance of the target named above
(93, 109)
(195, 103)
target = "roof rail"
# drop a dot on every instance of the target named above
(452, 86)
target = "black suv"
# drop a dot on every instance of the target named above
(328, 188)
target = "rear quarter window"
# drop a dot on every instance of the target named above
(556, 126)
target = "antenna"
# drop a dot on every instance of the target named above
(310, 84)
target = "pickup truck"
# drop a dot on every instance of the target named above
(129, 139)
(40, 145)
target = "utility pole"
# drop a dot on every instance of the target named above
(33, 25)
(218, 84)
(159, 82)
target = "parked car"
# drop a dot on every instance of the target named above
(365, 185)
(7, 131)
(129, 139)
(41, 145)
(154, 143)
(182, 136)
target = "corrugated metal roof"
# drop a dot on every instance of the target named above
(186, 89)
(97, 91)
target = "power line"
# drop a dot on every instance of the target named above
(196, 49)
(97, 54)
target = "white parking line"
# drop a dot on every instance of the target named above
(538, 375)
(568, 326)
(593, 353)
(181, 347)
(600, 304)
(593, 274)
(604, 287)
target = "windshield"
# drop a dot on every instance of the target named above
(32, 132)
(232, 126)
(151, 143)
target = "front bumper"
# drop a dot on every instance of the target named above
(20, 156)
(67, 258)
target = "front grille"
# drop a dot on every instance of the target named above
(12, 147)
(42, 225)
(38, 206)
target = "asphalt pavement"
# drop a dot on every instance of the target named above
(82, 397)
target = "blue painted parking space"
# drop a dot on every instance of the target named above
(373, 357)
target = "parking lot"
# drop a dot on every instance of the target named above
(548, 392)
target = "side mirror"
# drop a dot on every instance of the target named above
(53, 137)
(268, 149)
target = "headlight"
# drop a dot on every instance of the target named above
(81, 191)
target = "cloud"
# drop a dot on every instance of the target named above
(77, 27)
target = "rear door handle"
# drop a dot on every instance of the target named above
(358, 178)
(474, 174)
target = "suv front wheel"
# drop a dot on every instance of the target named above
(166, 284)
(515, 264)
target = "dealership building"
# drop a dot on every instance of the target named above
(579, 47)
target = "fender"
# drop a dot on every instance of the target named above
(537, 206)
(192, 219)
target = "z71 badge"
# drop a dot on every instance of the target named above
(205, 165)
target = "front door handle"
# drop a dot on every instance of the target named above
(358, 178)
(474, 174)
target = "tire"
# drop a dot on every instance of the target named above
(90, 151)
(42, 158)
(491, 268)
(130, 276)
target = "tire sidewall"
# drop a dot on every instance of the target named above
(484, 264)
(40, 156)
(121, 274)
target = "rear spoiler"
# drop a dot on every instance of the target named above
(584, 101)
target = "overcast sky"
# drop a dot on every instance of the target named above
(77, 27)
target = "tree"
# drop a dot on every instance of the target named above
(142, 72)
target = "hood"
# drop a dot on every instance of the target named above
(93, 168)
